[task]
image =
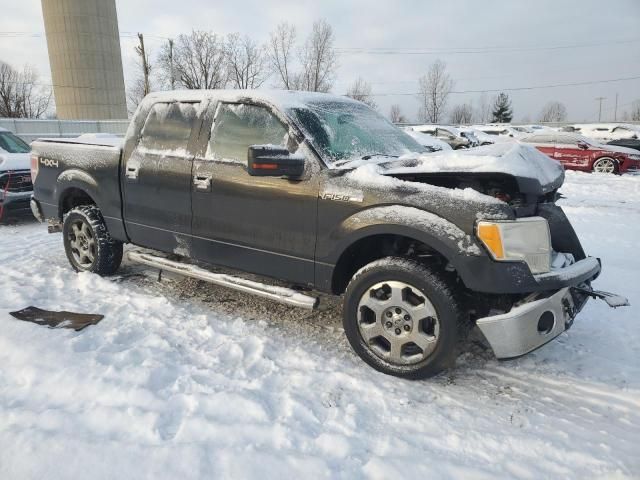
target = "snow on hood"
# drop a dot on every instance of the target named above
(14, 161)
(509, 158)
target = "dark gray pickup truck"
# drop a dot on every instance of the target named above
(323, 194)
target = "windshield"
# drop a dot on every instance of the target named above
(12, 144)
(348, 130)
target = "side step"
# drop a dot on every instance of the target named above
(284, 295)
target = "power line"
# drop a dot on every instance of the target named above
(514, 89)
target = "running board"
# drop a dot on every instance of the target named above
(284, 295)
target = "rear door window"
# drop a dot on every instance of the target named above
(169, 126)
(238, 126)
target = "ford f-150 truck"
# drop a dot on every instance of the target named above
(323, 194)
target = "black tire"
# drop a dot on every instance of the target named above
(93, 250)
(423, 282)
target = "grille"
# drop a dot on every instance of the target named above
(19, 181)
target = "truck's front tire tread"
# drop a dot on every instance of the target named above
(439, 292)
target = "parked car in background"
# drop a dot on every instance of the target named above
(605, 131)
(576, 152)
(627, 143)
(483, 138)
(502, 130)
(431, 144)
(451, 135)
(15, 176)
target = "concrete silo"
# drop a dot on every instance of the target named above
(86, 63)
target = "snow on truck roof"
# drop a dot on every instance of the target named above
(282, 99)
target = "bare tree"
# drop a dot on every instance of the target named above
(483, 114)
(280, 53)
(361, 90)
(462, 114)
(434, 88)
(635, 111)
(136, 91)
(553, 112)
(197, 61)
(319, 59)
(395, 114)
(21, 96)
(246, 62)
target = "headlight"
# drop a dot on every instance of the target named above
(525, 239)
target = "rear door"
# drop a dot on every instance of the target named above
(264, 225)
(157, 178)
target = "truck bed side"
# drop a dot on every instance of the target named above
(69, 172)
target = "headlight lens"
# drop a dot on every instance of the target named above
(525, 239)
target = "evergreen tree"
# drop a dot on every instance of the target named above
(502, 112)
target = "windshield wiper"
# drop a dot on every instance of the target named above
(342, 163)
(371, 155)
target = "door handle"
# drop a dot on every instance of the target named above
(132, 173)
(202, 183)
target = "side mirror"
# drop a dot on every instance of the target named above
(583, 145)
(274, 161)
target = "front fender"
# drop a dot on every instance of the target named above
(432, 230)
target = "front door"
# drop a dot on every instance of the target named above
(157, 179)
(264, 225)
(569, 153)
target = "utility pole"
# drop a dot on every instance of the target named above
(600, 99)
(172, 79)
(145, 64)
(615, 112)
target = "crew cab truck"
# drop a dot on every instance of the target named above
(321, 192)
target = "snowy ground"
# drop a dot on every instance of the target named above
(182, 380)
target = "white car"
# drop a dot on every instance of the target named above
(432, 144)
(509, 131)
(451, 135)
(15, 175)
(605, 131)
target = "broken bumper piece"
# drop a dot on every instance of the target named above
(530, 325)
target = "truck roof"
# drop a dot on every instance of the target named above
(281, 99)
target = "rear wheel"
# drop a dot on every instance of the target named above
(402, 318)
(605, 165)
(87, 242)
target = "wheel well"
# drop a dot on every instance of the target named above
(368, 249)
(73, 197)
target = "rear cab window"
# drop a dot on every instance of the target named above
(169, 127)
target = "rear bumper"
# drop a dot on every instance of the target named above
(531, 325)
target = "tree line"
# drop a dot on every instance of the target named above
(206, 60)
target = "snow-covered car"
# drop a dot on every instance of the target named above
(482, 137)
(451, 135)
(605, 132)
(432, 144)
(503, 131)
(15, 177)
(577, 152)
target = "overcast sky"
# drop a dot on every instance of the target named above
(515, 43)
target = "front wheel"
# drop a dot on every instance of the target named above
(605, 165)
(402, 318)
(87, 242)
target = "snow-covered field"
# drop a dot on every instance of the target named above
(183, 380)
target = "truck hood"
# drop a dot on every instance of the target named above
(534, 172)
(14, 161)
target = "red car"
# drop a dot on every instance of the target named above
(579, 153)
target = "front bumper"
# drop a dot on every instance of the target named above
(530, 325)
(15, 202)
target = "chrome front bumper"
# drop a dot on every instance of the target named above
(530, 325)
